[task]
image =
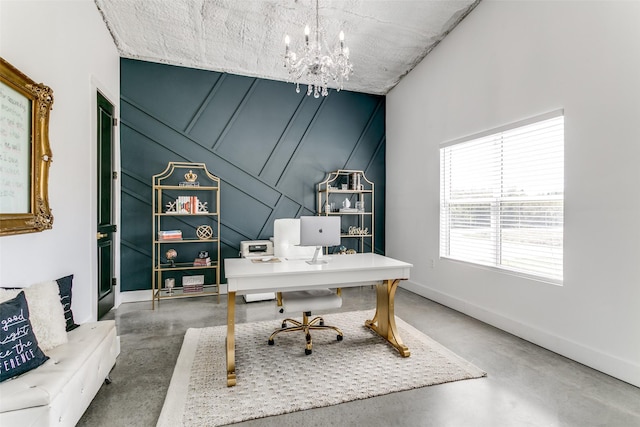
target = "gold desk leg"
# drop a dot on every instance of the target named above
(384, 321)
(231, 340)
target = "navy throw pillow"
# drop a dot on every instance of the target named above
(65, 284)
(19, 351)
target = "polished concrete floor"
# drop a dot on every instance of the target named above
(526, 385)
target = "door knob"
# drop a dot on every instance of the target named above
(101, 235)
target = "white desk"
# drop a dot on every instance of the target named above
(342, 271)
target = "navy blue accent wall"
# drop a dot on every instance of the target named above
(269, 145)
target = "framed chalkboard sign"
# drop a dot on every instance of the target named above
(25, 154)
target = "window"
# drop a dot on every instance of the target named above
(502, 198)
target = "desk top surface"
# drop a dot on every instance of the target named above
(245, 267)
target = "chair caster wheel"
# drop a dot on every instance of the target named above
(271, 342)
(307, 351)
(322, 323)
(284, 325)
(340, 337)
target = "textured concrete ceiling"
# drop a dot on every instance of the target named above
(386, 38)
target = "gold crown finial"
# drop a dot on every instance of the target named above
(190, 177)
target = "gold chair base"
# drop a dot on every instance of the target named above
(305, 326)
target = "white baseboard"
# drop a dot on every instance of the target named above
(145, 295)
(135, 296)
(624, 370)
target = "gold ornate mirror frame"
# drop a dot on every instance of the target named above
(25, 154)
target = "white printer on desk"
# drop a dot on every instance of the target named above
(257, 249)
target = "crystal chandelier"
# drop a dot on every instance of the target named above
(318, 64)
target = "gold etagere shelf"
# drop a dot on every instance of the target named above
(350, 195)
(182, 194)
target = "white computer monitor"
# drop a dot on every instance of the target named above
(319, 231)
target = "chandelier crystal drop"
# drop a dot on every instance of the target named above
(318, 65)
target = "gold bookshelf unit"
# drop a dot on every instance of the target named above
(350, 195)
(186, 232)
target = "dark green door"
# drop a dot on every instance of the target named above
(106, 228)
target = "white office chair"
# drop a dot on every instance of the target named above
(286, 244)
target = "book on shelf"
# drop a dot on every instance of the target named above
(169, 234)
(202, 262)
(187, 204)
(189, 289)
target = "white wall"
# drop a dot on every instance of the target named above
(65, 45)
(509, 60)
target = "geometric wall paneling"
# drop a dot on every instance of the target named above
(291, 137)
(135, 185)
(268, 144)
(134, 271)
(219, 113)
(372, 138)
(175, 144)
(377, 168)
(135, 206)
(285, 208)
(244, 213)
(329, 142)
(133, 230)
(159, 88)
(265, 107)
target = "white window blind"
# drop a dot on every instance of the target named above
(502, 198)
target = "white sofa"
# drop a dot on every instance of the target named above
(58, 392)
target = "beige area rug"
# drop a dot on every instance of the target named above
(272, 380)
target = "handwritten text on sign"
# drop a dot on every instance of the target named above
(15, 151)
